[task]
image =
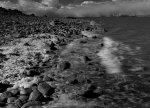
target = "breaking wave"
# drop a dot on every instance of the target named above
(108, 58)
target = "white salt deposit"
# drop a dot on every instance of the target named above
(108, 59)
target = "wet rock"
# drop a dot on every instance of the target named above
(4, 96)
(35, 96)
(45, 89)
(18, 103)
(31, 103)
(11, 99)
(25, 91)
(23, 98)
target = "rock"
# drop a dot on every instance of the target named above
(18, 103)
(12, 106)
(35, 96)
(31, 103)
(35, 107)
(15, 92)
(34, 87)
(23, 98)
(4, 96)
(47, 78)
(4, 86)
(25, 91)
(64, 65)
(11, 99)
(45, 89)
(2, 104)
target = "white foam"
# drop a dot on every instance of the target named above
(108, 59)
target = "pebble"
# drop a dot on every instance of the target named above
(45, 89)
(31, 103)
(11, 99)
(35, 96)
(25, 91)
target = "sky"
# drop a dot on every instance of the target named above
(79, 8)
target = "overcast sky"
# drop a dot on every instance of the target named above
(79, 8)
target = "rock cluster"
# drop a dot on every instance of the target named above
(35, 95)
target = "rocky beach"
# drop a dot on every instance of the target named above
(66, 63)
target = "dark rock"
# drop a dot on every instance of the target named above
(90, 94)
(45, 89)
(11, 99)
(31, 103)
(2, 104)
(25, 91)
(35, 96)
(18, 103)
(4, 96)
(34, 87)
(23, 98)
(53, 46)
(4, 86)
(64, 65)
(47, 78)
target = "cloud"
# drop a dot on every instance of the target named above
(119, 7)
(87, 8)
(43, 7)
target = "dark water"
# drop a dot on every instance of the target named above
(133, 31)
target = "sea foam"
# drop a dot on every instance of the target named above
(108, 57)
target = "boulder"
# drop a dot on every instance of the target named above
(4, 96)
(45, 89)
(35, 96)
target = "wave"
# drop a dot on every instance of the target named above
(108, 58)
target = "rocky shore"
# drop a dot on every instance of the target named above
(62, 63)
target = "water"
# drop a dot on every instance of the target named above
(133, 32)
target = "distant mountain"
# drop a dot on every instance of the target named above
(4, 11)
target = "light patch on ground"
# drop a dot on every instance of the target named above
(24, 53)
